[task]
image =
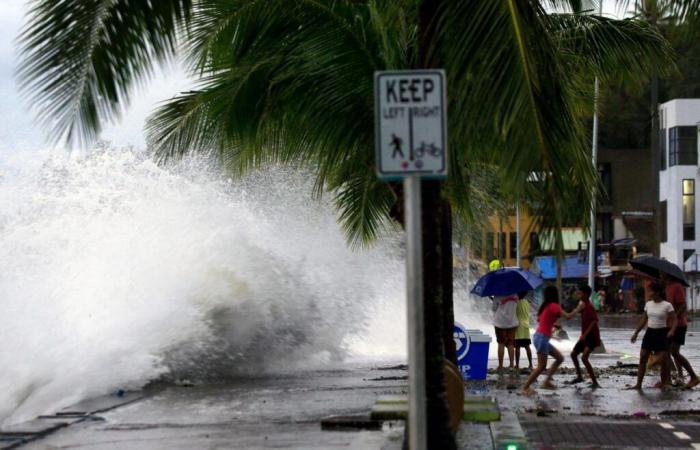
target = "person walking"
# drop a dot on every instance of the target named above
(505, 322)
(658, 313)
(675, 295)
(590, 335)
(548, 313)
(522, 334)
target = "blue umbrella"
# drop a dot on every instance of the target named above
(506, 282)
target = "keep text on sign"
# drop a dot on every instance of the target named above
(410, 127)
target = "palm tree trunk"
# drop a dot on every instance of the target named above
(437, 264)
(437, 271)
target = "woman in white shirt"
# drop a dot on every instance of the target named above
(658, 314)
(505, 322)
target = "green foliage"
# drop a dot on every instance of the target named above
(291, 81)
(81, 58)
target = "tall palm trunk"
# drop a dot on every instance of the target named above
(437, 263)
(436, 223)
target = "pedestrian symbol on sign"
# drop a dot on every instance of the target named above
(396, 142)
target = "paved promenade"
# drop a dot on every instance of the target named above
(287, 412)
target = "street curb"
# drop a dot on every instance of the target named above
(507, 433)
(476, 408)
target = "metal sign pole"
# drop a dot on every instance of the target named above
(417, 423)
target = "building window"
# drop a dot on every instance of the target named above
(687, 253)
(513, 245)
(662, 149)
(663, 211)
(534, 243)
(501, 246)
(682, 146)
(688, 210)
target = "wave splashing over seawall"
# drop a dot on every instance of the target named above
(115, 271)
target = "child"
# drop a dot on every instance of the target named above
(522, 335)
(590, 335)
(549, 312)
(657, 314)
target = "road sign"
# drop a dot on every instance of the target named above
(410, 129)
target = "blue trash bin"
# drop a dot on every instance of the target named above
(472, 352)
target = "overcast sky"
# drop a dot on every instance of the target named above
(17, 129)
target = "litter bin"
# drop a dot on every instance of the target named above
(472, 352)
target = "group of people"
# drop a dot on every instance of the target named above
(665, 317)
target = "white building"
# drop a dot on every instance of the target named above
(678, 179)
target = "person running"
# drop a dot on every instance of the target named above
(522, 334)
(658, 313)
(675, 295)
(549, 312)
(505, 322)
(590, 335)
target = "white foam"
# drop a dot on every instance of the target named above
(115, 271)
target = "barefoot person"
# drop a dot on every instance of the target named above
(675, 295)
(658, 313)
(549, 312)
(522, 334)
(505, 322)
(590, 335)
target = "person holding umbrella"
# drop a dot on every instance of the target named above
(673, 280)
(505, 322)
(504, 284)
(675, 295)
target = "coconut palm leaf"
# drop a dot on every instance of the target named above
(594, 44)
(81, 58)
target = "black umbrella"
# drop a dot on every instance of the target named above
(654, 266)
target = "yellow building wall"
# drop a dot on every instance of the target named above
(507, 225)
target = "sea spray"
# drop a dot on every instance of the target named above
(115, 271)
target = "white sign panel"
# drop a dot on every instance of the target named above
(411, 135)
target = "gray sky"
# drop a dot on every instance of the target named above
(17, 128)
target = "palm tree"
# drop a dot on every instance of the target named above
(291, 81)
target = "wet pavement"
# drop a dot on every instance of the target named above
(286, 411)
(282, 412)
(615, 369)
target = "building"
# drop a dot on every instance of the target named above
(626, 208)
(499, 241)
(678, 177)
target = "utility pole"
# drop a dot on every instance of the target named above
(594, 153)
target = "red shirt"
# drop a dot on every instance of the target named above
(549, 316)
(675, 295)
(588, 316)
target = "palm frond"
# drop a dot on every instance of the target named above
(624, 51)
(80, 59)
